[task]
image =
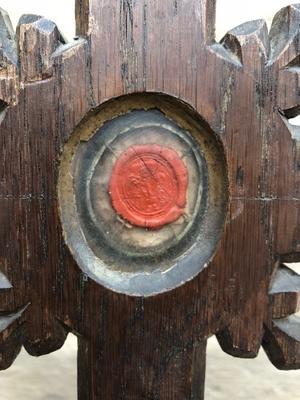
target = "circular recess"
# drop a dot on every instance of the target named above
(143, 194)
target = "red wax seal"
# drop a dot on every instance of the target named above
(148, 186)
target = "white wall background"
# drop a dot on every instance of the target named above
(230, 13)
(60, 11)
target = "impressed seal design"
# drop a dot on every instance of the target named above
(148, 186)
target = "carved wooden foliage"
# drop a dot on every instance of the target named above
(246, 89)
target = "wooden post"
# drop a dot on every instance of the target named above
(149, 193)
(167, 369)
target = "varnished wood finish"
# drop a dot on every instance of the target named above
(245, 88)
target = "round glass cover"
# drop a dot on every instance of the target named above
(142, 200)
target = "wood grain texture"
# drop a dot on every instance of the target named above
(246, 88)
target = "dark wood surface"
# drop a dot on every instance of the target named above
(246, 89)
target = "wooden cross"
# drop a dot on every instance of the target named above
(149, 193)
